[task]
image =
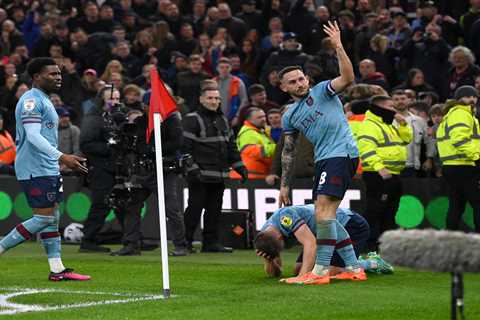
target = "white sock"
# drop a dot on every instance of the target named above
(2, 250)
(56, 265)
(320, 270)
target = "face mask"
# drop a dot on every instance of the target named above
(386, 115)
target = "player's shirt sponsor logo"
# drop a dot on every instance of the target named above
(309, 101)
(310, 119)
(286, 221)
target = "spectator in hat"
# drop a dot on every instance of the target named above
(290, 54)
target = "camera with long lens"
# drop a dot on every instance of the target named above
(122, 139)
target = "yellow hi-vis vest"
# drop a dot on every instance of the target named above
(458, 139)
(382, 145)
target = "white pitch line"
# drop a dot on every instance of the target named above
(14, 308)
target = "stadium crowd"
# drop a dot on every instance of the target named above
(418, 53)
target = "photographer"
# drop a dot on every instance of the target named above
(94, 136)
(173, 166)
(428, 51)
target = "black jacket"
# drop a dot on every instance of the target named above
(171, 132)
(93, 140)
(211, 142)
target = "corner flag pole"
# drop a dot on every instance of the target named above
(161, 204)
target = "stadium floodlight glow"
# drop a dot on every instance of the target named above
(21, 206)
(6, 205)
(410, 213)
(78, 206)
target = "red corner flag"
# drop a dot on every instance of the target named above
(160, 101)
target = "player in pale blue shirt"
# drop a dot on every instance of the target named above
(318, 114)
(37, 166)
(297, 223)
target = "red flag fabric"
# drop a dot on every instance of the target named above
(160, 101)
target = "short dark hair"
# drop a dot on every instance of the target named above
(287, 70)
(399, 92)
(255, 88)
(38, 64)
(274, 111)
(436, 110)
(208, 85)
(224, 60)
(375, 100)
(269, 244)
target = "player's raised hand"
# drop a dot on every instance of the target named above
(333, 31)
(73, 162)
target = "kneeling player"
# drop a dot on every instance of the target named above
(298, 222)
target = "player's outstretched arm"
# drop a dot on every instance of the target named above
(288, 161)
(345, 65)
(309, 242)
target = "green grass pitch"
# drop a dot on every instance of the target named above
(222, 286)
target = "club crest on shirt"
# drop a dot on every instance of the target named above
(309, 101)
(50, 125)
(286, 221)
(29, 104)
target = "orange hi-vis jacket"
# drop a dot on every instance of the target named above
(256, 149)
(7, 148)
(354, 121)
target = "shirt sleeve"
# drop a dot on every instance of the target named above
(324, 89)
(290, 221)
(35, 138)
(31, 111)
(288, 128)
(31, 115)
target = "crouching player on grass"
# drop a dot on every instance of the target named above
(298, 223)
(37, 166)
